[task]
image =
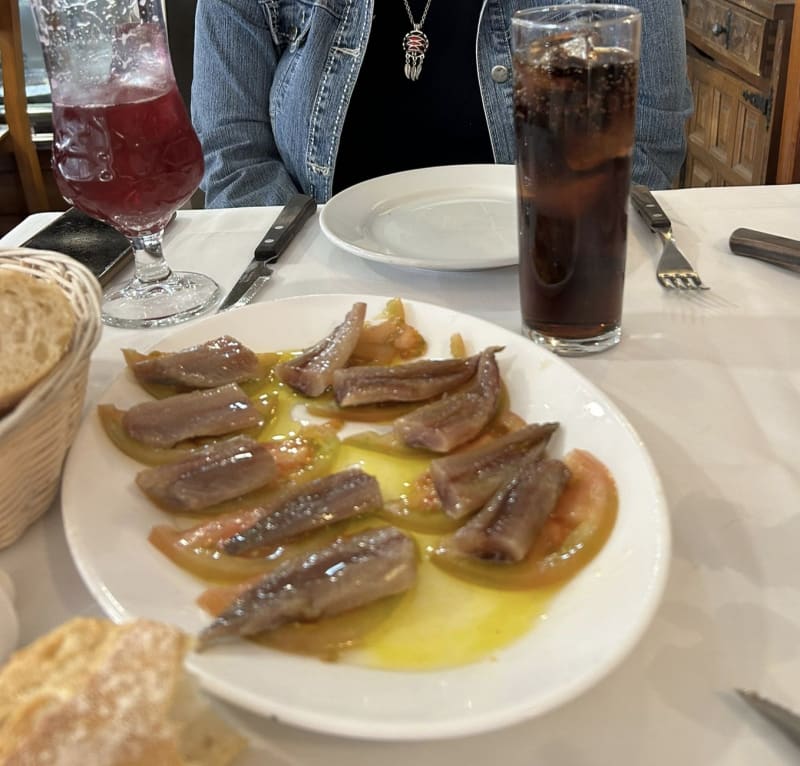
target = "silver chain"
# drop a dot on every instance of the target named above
(411, 16)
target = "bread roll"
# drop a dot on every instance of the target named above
(37, 323)
(92, 693)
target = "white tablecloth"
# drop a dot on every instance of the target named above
(713, 387)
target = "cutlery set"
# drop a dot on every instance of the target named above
(675, 272)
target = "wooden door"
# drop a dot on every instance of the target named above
(728, 135)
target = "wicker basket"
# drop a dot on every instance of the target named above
(35, 436)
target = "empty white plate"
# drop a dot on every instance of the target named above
(451, 218)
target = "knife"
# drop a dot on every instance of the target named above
(288, 223)
(779, 251)
(785, 720)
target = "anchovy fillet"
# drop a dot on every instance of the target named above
(208, 412)
(466, 480)
(208, 365)
(311, 372)
(506, 528)
(411, 382)
(348, 573)
(453, 420)
(209, 475)
(316, 504)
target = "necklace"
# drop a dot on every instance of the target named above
(415, 43)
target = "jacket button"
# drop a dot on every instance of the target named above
(499, 73)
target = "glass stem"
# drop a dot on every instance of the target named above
(151, 266)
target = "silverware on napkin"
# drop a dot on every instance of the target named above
(288, 223)
(779, 251)
(784, 719)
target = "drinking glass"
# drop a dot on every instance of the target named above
(124, 150)
(575, 81)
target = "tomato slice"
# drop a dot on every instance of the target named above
(577, 529)
(111, 420)
(389, 339)
(196, 550)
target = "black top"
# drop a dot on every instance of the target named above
(394, 123)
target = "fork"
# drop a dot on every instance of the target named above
(673, 271)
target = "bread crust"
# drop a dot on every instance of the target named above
(37, 324)
(92, 692)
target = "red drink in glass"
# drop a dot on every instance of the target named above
(130, 158)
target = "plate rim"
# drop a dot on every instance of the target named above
(328, 227)
(345, 725)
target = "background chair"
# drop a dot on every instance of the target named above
(16, 136)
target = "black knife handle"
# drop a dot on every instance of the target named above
(290, 220)
(779, 251)
(646, 206)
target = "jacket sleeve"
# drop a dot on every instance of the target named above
(234, 64)
(665, 99)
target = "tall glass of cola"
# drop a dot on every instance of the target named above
(124, 149)
(575, 82)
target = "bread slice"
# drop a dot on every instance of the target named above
(92, 693)
(37, 323)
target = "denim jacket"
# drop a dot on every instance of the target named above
(273, 78)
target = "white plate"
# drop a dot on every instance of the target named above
(591, 625)
(451, 218)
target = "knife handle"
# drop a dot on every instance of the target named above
(779, 251)
(289, 221)
(646, 206)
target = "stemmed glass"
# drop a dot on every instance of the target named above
(124, 150)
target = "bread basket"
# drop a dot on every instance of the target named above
(35, 436)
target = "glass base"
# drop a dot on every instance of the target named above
(575, 346)
(180, 297)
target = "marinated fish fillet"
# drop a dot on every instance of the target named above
(311, 372)
(453, 420)
(316, 504)
(209, 475)
(208, 365)
(411, 382)
(466, 480)
(350, 572)
(506, 528)
(208, 412)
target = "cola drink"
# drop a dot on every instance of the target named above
(574, 111)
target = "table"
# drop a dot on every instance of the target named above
(712, 385)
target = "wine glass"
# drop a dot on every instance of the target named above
(124, 149)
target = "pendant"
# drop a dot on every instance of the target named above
(415, 44)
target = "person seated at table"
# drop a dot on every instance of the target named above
(314, 96)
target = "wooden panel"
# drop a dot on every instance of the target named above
(728, 137)
(725, 29)
(788, 170)
(701, 123)
(698, 174)
(723, 143)
(749, 159)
